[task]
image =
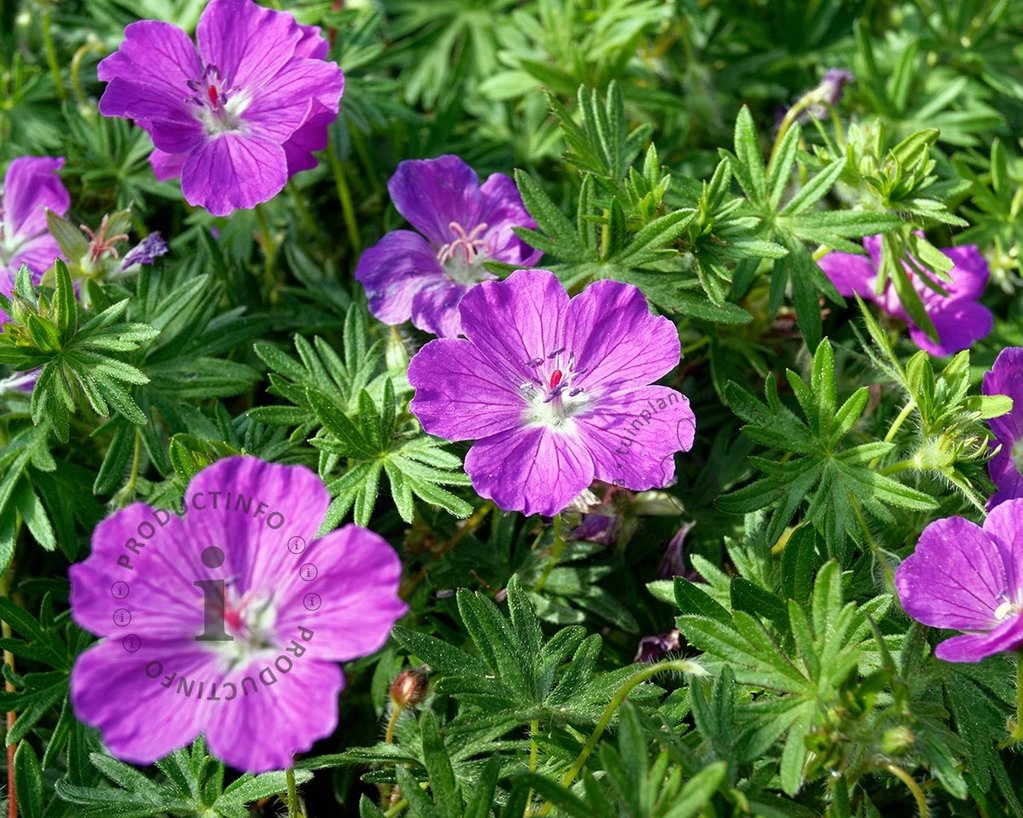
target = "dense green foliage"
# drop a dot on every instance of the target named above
(644, 137)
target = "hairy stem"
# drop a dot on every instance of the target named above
(344, 195)
(557, 549)
(912, 786)
(51, 57)
(294, 811)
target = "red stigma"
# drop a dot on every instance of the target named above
(233, 619)
(211, 91)
(555, 378)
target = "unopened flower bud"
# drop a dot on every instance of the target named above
(897, 740)
(409, 688)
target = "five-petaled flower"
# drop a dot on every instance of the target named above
(229, 620)
(1006, 467)
(958, 317)
(555, 391)
(967, 578)
(235, 118)
(31, 187)
(464, 224)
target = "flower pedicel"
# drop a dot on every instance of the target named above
(230, 620)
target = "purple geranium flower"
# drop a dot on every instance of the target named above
(967, 578)
(555, 391)
(1006, 467)
(31, 187)
(464, 224)
(229, 620)
(235, 118)
(958, 317)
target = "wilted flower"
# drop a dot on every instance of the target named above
(555, 391)
(20, 382)
(463, 224)
(230, 620)
(235, 118)
(1006, 467)
(964, 577)
(958, 317)
(145, 252)
(654, 648)
(673, 563)
(31, 187)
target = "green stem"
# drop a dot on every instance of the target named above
(534, 749)
(5, 629)
(344, 194)
(293, 808)
(303, 208)
(793, 113)
(51, 57)
(76, 65)
(677, 665)
(914, 788)
(557, 549)
(396, 809)
(269, 247)
(896, 424)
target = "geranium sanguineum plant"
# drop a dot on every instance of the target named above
(1006, 467)
(235, 115)
(556, 391)
(959, 317)
(969, 578)
(461, 225)
(229, 620)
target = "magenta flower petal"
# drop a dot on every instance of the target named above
(252, 524)
(362, 571)
(956, 578)
(106, 677)
(283, 718)
(234, 172)
(617, 340)
(283, 107)
(31, 187)
(39, 254)
(851, 274)
(155, 59)
(247, 42)
(393, 270)
(1006, 378)
(459, 396)
(970, 273)
(516, 321)
(432, 193)
(502, 210)
(973, 647)
(161, 597)
(167, 166)
(435, 308)
(533, 470)
(959, 325)
(310, 137)
(633, 436)
(1004, 470)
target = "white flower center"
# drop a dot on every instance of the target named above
(463, 257)
(554, 394)
(249, 621)
(218, 106)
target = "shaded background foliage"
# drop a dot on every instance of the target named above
(640, 132)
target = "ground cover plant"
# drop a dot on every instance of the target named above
(511, 408)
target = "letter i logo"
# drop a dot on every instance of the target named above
(214, 599)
